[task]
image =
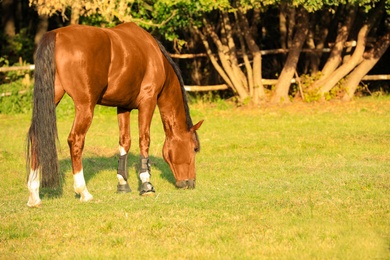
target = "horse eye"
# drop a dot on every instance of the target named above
(196, 149)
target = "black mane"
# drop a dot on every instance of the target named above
(178, 74)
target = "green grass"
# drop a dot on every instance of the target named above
(294, 182)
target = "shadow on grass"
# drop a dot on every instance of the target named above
(96, 164)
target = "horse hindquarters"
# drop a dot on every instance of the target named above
(83, 60)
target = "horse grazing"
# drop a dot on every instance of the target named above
(123, 67)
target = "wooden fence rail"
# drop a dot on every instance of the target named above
(271, 82)
(196, 88)
(16, 68)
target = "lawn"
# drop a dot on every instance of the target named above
(294, 182)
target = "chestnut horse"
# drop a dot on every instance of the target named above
(123, 67)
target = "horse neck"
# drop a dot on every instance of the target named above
(172, 107)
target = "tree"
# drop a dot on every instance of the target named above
(228, 39)
(8, 19)
(283, 85)
(332, 71)
(234, 34)
(17, 22)
(329, 80)
(229, 33)
(370, 58)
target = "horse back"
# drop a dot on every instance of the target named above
(137, 68)
(112, 67)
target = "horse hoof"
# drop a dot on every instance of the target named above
(123, 188)
(147, 189)
(34, 204)
(186, 184)
(86, 196)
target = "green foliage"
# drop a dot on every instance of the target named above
(12, 100)
(15, 90)
(336, 92)
(310, 94)
(97, 20)
(19, 46)
(178, 16)
(210, 99)
(315, 5)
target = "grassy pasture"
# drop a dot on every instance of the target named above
(301, 181)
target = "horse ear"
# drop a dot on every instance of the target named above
(196, 126)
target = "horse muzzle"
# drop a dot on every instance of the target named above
(186, 184)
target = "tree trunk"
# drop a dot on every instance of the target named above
(335, 59)
(283, 25)
(43, 25)
(283, 85)
(75, 16)
(313, 60)
(343, 70)
(8, 19)
(291, 24)
(337, 75)
(258, 89)
(368, 63)
(323, 34)
(213, 59)
(227, 65)
(248, 66)
(232, 53)
(318, 33)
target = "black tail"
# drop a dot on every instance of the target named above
(42, 136)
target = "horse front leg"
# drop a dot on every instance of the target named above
(144, 119)
(76, 141)
(124, 147)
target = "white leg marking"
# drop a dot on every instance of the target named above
(122, 150)
(33, 187)
(80, 187)
(120, 179)
(144, 176)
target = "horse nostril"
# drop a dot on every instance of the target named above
(181, 184)
(186, 184)
(191, 184)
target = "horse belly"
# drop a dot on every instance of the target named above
(124, 83)
(120, 96)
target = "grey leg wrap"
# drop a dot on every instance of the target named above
(122, 166)
(145, 165)
(146, 187)
(122, 170)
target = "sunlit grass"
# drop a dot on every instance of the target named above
(301, 181)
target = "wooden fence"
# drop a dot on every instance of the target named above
(200, 88)
(271, 82)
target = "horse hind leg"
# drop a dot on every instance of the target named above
(124, 147)
(76, 141)
(59, 91)
(33, 184)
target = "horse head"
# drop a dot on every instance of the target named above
(179, 152)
